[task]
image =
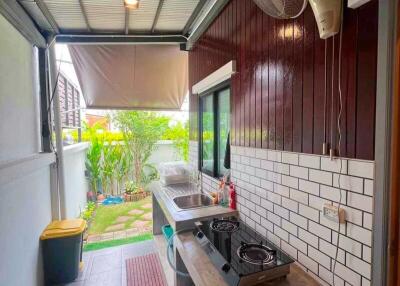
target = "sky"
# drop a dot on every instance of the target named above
(66, 67)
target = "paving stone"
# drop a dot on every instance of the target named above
(139, 223)
(115, 227)
(122, 219)
(147, 206)
(135, 212)
(93, 238)
(132, 232)
(119, 234)
(148, 216)
(107, 236)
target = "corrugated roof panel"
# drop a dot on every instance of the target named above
(67, 14)
(36, 14)
(175, 14)
(141, 20)
(105, 15)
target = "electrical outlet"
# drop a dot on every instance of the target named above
(334, 213)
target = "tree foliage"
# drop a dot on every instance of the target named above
(141, 131)
(179, 134)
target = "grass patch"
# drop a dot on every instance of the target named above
(106, 215)
(117, 242)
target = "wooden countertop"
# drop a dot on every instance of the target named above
(180, 219)
(204, 273)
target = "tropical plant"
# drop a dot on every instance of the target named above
(131, 187)
(109, 163)
(141, 130)
(93, 158)
(124, 164)
(87, 213)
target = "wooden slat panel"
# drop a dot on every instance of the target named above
(319, 92)
(288, 70)
(279, 96)
(278, 92)
(298, 83)
(366, 79)
(272, 84)
(264, 81)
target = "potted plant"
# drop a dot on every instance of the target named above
(133, 192)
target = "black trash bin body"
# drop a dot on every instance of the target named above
(62, 250)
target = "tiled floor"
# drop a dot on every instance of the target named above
(106, 267)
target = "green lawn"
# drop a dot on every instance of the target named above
(106, 215)
(117, 242)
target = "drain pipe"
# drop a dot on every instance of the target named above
(53, 75)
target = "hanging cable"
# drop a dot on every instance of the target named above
(332, 150)
(324, 144)
(339, 129)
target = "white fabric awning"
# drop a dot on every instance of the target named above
(146, 77)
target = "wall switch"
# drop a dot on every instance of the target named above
(334, 213)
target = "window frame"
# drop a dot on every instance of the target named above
(214, 91)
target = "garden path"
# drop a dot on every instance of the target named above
(116, 231)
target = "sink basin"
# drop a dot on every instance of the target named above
(193, 201)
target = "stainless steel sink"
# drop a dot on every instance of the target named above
(193, 201)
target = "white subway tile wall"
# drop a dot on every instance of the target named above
(280, 195)
(296, 186)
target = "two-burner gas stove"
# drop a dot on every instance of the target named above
(242, 256)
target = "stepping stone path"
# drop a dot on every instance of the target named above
(147, 206)
(115, 227)
(148, 216)
(119, 234)
(135, 212)
(139, 224)
(121, 219)
(116, 231)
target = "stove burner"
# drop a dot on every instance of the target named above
(224, 225)
(257, 254)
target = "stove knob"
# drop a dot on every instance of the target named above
(200, 235)
(226, 267)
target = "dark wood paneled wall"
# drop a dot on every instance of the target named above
(278, 92)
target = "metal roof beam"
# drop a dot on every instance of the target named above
(49, 17)
(16, 15)
(193, 17)
(126, 21)
(119, 39)
(159, 8)
(85, 15)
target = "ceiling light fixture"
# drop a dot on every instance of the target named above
(132, 4)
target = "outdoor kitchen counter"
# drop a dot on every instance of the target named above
(204, 273)
(164, 210)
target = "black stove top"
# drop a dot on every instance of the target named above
(239, 252)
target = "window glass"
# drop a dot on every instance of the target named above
(223, 129)
(208, 134)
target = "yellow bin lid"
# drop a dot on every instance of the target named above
(63, 228)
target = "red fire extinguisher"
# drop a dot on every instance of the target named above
(232, 196)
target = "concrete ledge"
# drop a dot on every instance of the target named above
(12, 170)
(76, 148)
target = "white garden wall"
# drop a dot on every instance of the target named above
(76, 184)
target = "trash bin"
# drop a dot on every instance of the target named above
(62, 250)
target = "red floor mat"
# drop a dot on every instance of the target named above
(145, 271)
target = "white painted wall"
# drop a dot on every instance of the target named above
(164, 152)
(76, 185)
(25, 199)
(19, 121)
(25, 210)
